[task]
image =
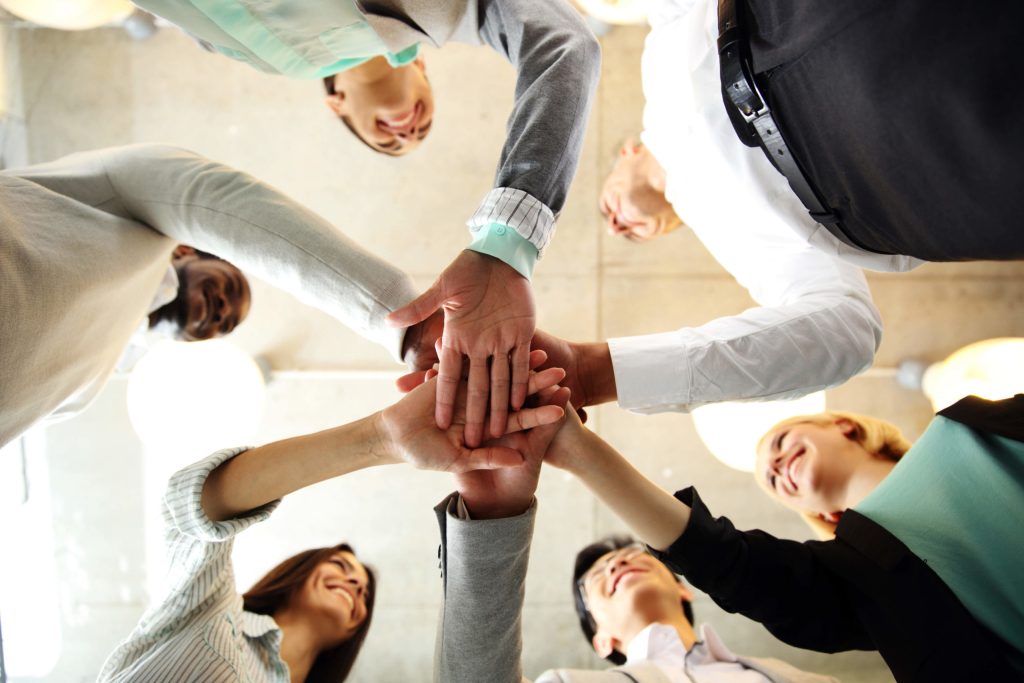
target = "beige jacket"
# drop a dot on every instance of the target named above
(86, 240)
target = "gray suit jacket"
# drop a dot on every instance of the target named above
(86, 240)
(483, 566)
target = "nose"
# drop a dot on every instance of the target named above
(357, 584)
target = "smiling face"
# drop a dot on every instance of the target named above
(626, 590)
(391, 109)
(213, 298)
(633, 196)
(808, 466)
(337, 590)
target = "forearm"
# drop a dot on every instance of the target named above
(653, 514)
(226, 212)
(557, 61)
(267, 473)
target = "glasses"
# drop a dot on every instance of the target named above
(624, 554)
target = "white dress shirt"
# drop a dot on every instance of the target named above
(708, 661)
(816, 325)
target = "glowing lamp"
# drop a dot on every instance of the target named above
(195, 396)
(731, 430)
(991, 369)
(70, 15)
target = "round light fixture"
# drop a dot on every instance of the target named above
(732, 429)
(196, 396)
(70, 15)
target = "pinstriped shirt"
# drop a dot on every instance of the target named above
(197, 629)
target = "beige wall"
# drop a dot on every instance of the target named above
(87, 90)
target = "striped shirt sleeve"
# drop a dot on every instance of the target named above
(525, 214)
(198, 560)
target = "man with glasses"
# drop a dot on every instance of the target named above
(632, 609)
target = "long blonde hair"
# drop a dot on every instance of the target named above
(878, 437)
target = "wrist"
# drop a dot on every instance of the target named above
(382, 439)
(597, 373)
(481, 509)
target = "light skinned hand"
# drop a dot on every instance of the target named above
(568, 447)
(496, 493)
(415, 438)
(489, 318)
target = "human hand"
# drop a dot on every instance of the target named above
(568, 448)
(419, 348)
(588, 368)
(489, 317)
(408, 430)
(496, 493)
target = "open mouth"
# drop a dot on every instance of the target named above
(343, 592)
(625, 573)
(403, 122)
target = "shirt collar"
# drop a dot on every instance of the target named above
(258, 625)
(660, 644)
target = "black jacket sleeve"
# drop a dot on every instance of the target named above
(788, 586)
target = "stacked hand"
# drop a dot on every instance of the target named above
(489, 318)
(413, 437)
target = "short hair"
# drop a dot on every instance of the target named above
(585, 559)
(280, 584)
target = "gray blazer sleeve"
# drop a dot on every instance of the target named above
(558, 62)
(483, 567)
(223, 211)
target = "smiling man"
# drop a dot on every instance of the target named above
(86, 245)
(632, 609)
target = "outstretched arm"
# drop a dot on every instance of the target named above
(226, 212)
(782, 584)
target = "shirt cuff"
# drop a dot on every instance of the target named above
(183, 502)
(652, 373)
(524, 213)
(503, 243)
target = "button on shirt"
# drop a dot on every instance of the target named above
(816, 325)
(708, 661)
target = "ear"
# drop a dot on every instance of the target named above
(830, 517)
(684, 592)
(603, 644)
(336, 103)
(182, 251)
(847, 427)
(422, 65)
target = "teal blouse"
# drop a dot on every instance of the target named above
(298, 39)
(956, 500)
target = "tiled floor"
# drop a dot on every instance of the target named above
(87, 90)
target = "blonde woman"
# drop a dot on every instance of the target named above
(927, 563)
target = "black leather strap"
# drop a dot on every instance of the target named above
(740, 89)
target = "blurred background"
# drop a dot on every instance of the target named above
(80, 549)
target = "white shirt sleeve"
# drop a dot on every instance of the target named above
(816, 327)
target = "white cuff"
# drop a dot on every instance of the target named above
(652, 374)
(524, 213)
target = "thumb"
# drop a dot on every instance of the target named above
(417, 310)
(489, 458)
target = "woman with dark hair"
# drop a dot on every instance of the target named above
(926, 563)
(307, 618)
